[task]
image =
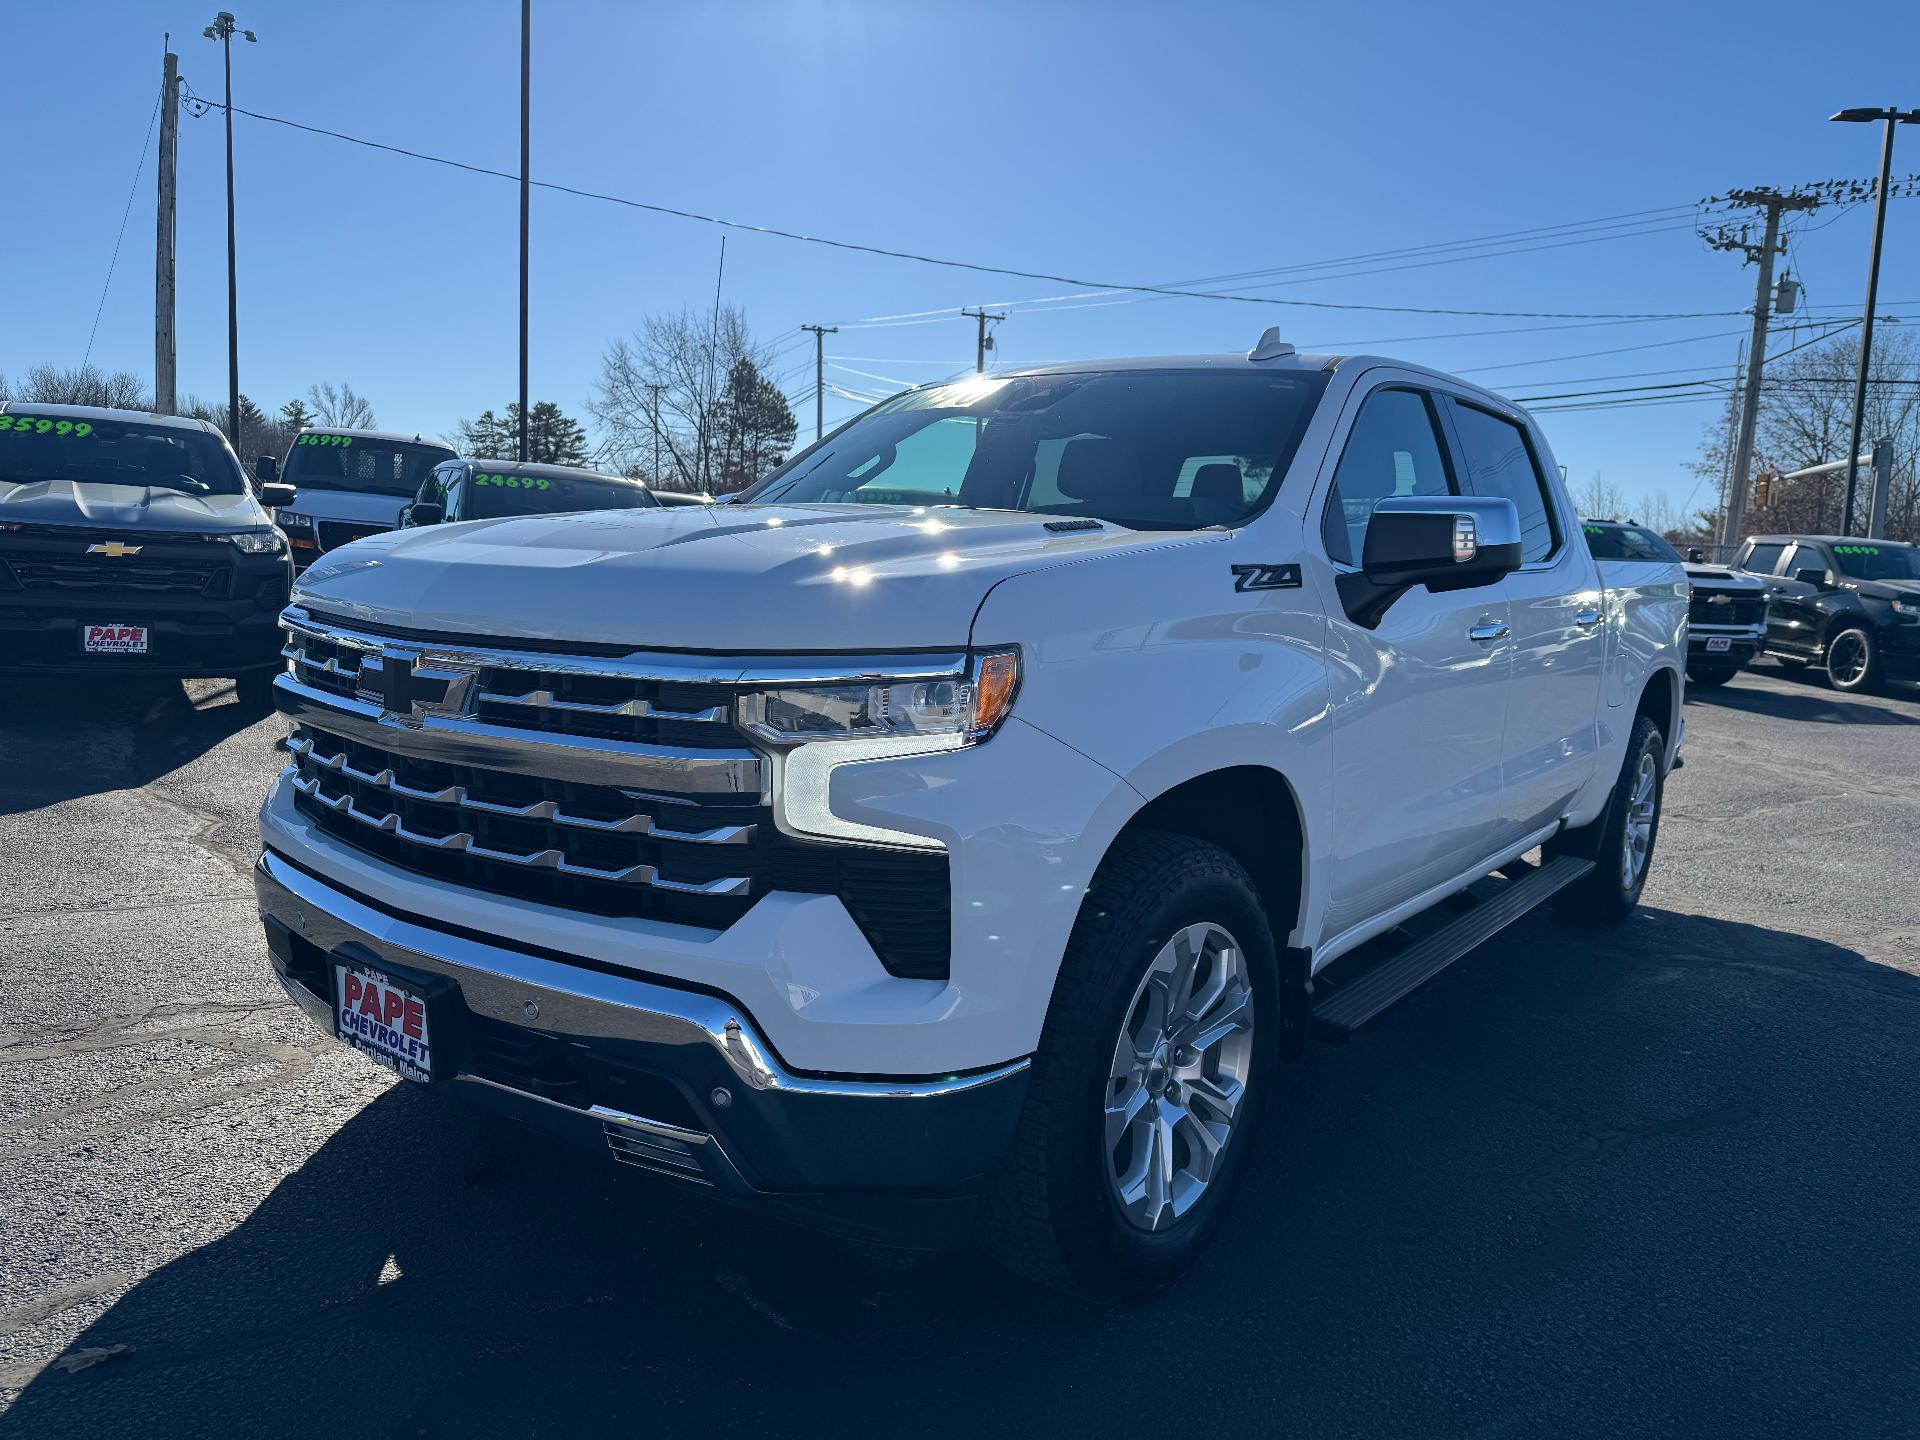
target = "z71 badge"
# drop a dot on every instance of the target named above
(1266, 577)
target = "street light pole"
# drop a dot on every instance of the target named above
(223, 29)
(1890, 116)
(526, 94)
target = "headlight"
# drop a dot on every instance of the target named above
(1907, 607)
(962, 709)
(258, 542)
(288, 521)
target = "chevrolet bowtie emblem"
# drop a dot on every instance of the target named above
(112, 548)
(1719, 600)
(409, 686)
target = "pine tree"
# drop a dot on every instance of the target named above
(552, 438)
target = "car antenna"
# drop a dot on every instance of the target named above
(1271, 346)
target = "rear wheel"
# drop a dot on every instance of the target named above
(1711, 677)
(1148, 1086)
(1853, 660)
(1621, 841)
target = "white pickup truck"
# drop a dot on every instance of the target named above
(955, 835)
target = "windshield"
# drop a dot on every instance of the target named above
(498, 493)
(317, 461)
(35, 448)
(1152, 450)
(1879, 561)
(1629, 542)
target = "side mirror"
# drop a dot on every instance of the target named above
(1696, 556)
(1821, 579)
(1444, 542)
(273, 494)
(426, 512)
(266, 469)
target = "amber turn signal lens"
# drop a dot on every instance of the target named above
(993, 691)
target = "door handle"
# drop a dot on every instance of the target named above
(1487, 633)
(1586, 619)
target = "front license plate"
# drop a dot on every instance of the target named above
(113, 639)
(382, 1019)
(1718, 643)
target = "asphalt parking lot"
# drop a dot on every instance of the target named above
(1660, 1180)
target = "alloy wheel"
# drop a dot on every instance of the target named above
(1637, 834)
(1179, 1074)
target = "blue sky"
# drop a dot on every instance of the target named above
(1120, 142)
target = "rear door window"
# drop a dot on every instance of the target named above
(1393, 449)
(1501, 464)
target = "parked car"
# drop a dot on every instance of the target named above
(1849, 605)
(464, 489)
(1727, 613)
(351, 483)
(961, 827)
(131, 544)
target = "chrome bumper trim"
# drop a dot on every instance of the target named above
(499, 982)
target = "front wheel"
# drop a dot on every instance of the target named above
(1150, 1079)
(1620, 843)
(1853, 661)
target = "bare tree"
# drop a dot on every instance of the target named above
(339, 407)
(674, 388)
(85, 385)
(1600, 499)
(1805, 419)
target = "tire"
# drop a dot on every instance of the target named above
(1853, 661)
(1711, 677)
(1057, 1209)
(254, 690)
(1612, 888)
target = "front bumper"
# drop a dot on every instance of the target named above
(636, 1070)
(188, 635)
(1742, 644)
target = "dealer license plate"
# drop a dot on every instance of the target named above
(1718, 643)
(383, 1020)
(113, 639)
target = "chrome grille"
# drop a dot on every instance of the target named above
(565, 780)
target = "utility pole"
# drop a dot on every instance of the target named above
(526, 193)
(165, 397)
(1892, 118)
(223, 29)
(656, 389)
(985, 341)
(1772, 203)
(819, 333)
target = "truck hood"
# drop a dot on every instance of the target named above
(101, 506)
(745, 579)
(1725, 576)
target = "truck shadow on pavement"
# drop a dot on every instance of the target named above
(1652, 1180)
(1823, 707)
(64, 738)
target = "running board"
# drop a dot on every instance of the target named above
(1350, 1006)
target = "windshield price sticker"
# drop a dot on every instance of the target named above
(342, 440)
(515, 482)
(1856, 549)
(41, 425)
(1593, 529)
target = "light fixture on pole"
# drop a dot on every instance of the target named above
(224, 29)
(1891, 116)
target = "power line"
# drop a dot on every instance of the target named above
(199, 106)
(114, 261)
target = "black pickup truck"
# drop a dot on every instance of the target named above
(131, 543)
(1849, 605)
